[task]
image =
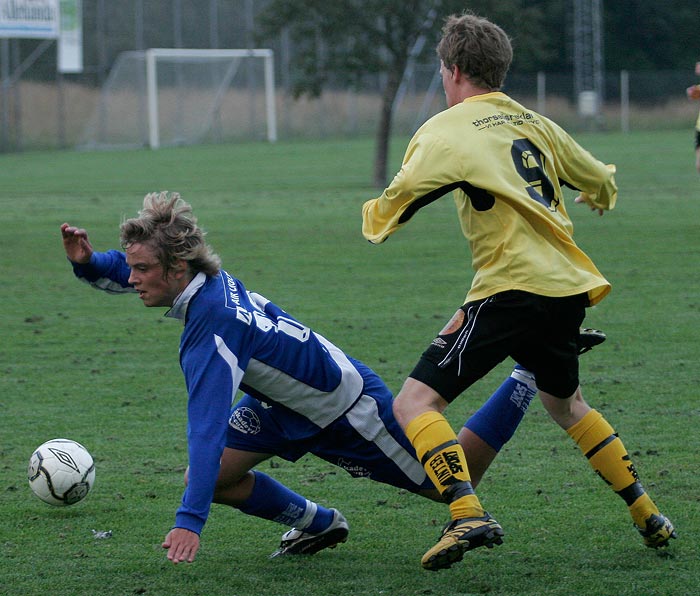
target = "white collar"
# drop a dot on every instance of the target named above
(179, 308)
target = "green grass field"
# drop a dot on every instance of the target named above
(103, 370)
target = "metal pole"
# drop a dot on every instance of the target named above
(140, 44)
(625, 101)
(270, 98)
(214, 23)
(214, 43)
(61, 111)
(180, 108)
(5, 68)
(152, 94)
(250, 44)
(285, 61)
(17, 100)
(138, 24)
(101, 67)
(588, 58)
(598, 50)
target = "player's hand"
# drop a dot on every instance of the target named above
(693, 92)
(581, 199)
(76, 244)
(182, 545)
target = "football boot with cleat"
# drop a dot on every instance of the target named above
(298, 542)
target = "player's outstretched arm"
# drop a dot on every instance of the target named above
(76, 243)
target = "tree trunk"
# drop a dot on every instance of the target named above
(381, 155)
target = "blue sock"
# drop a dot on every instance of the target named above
(496, 421)
(274, 501)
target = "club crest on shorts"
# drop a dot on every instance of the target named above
(245, 420)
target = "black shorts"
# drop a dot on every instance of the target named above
(538, 332)
(697, 139)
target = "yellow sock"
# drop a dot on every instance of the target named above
(610, 460)
(443, 459)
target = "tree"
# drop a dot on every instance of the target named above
(354, 37)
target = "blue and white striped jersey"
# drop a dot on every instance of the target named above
(234, 339)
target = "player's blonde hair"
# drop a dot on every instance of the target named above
(166, 224)
(480, 48)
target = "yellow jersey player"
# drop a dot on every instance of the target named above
(506, 166)
(693, 92)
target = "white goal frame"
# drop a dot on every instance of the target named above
(152, 56)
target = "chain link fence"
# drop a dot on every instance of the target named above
(41, 108)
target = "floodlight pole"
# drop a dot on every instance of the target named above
(588, 56)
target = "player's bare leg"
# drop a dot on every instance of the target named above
(479, 453)
(418, 408)
(607, 455)
(314, 527)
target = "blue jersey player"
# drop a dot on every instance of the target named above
(302, 394)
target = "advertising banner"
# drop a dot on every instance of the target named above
(38, 19)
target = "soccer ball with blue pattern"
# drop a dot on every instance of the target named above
(61, 472)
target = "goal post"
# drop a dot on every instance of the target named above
(174, 96)
(154, 55)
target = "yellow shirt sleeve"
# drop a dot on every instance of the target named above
(429, 171)
(606, 197)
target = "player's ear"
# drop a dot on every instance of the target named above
(180, 269)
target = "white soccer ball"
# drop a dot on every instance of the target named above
(61, 472)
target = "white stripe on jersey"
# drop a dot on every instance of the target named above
(320, 407)
(109, 286)
(232, 360)
(364, 418)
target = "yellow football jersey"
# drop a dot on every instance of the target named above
(506, 165)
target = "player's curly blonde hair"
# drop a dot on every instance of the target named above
(480, 48)
(166, 224)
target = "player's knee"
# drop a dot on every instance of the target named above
(234, 490)
(414, 399)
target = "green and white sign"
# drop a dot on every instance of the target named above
(70, 41)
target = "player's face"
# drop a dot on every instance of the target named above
(147, 277)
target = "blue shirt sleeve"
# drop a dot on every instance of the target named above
(106, 271)
(214, 351)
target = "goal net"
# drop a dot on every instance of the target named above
(164, 97)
